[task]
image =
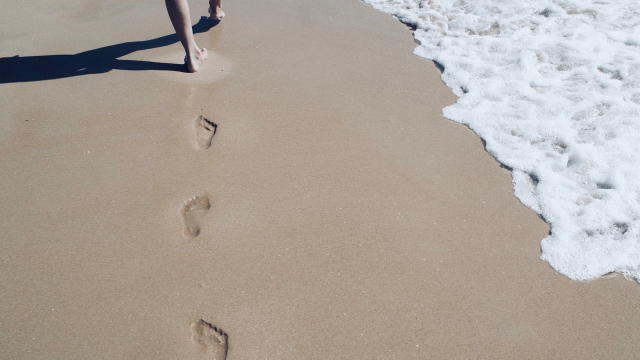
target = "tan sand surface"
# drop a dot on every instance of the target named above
(345, 218)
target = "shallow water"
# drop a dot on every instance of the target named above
(553, 87)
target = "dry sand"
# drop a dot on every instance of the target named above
(340, 215)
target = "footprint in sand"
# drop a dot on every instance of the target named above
(191, 212)
(205, 130)
(210, 339)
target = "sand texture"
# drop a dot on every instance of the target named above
(300, 198)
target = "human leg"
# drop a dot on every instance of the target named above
(179, 14)
(215, 9)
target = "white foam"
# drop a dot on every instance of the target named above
(553, 87)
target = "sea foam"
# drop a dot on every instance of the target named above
(553, 87)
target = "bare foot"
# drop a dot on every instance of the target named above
(193, 61)
(215, 15)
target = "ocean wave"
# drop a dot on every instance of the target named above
(553, 87)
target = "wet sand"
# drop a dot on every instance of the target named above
(338, 214)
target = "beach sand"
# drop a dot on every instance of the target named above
(338, 214)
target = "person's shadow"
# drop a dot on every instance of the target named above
(47, 67)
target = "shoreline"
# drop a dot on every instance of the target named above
(347, 218)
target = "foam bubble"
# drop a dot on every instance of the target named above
(553, 87)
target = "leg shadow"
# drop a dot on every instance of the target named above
(48, 67)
